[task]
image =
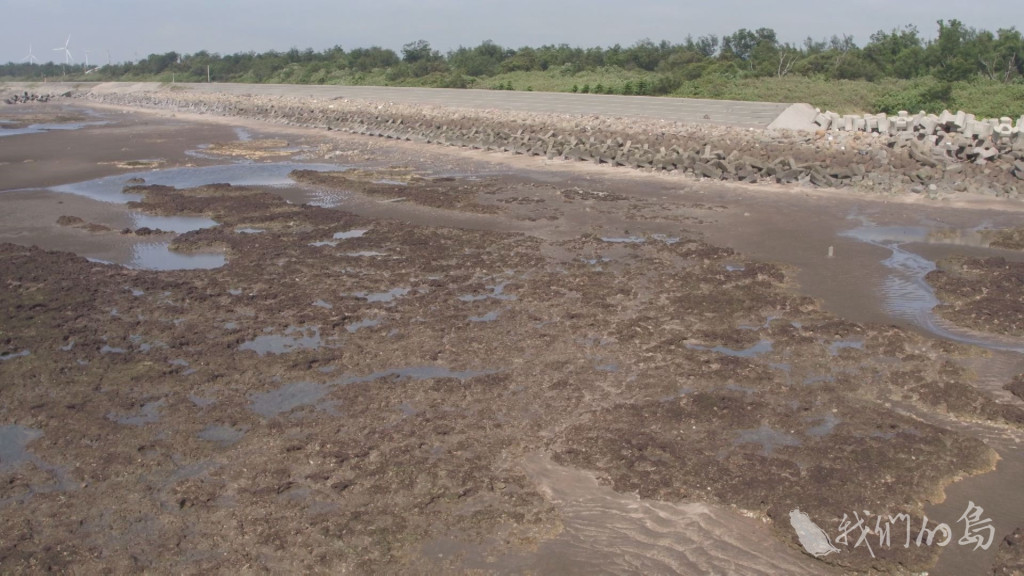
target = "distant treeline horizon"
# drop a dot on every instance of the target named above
(957, 54)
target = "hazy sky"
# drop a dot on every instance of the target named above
(125, 28)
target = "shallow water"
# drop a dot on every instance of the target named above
(327, 198)
(110, 188)
(14, 355)
(14, 452)
(338, 237)
(835, 347)
(666, 238)
(40, 128)
(297, 394)
(222, 435)
(640, 239)
(356, 326)
(489, 317)
(606, 532)
(294, 338)
(287, 397)
(148, 414)
(908, 296)
(159, 256)
(388, 296)
(350, 234)
(497, 292)
(762, 347)
(202, 401)
(176, 224)
(999, 494)
(14, 441)
(144, 346)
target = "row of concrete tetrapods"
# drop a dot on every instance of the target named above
(733, 155)
(961, 122)
(973, 138)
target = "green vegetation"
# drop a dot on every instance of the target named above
(974, 70)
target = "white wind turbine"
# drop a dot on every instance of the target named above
(31, 58)
(67, 52)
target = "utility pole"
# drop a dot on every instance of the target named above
(207, 73)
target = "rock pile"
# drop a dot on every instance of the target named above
(872, 161)
(25, 98)
(959, 137)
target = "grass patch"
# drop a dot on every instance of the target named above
(842, 96)
(984, 98)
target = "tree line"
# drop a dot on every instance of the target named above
(957, 53)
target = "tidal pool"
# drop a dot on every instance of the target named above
(908, 296)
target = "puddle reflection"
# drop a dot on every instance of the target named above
(159, 256)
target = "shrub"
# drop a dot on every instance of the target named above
(990, 99)
(929, 95)
(454, 80)
(398, 72)
(666, 84)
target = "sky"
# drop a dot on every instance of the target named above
(124, 30)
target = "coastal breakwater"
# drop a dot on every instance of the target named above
(940, 140)
(937, 156)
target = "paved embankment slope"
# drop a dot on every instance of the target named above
(685, 110)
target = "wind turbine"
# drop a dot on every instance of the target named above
(67, 52)
(31, 58)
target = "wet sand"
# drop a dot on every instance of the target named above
(577, 346)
